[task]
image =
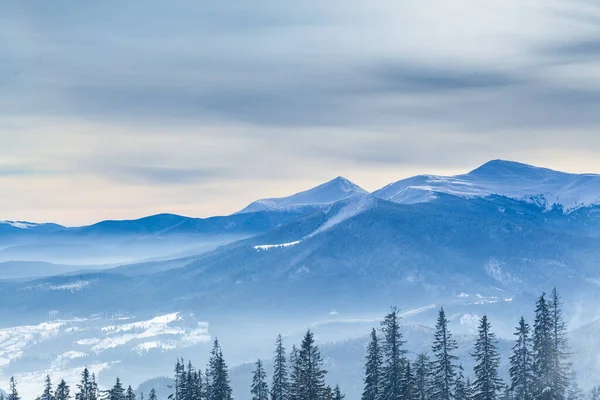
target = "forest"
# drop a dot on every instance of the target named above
(539, 368)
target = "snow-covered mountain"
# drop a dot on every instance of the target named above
(542, 186)
(329, 192)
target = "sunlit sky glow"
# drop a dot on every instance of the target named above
(117, 109)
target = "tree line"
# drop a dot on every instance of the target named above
(539, 368)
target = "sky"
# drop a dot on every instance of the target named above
(117, 110)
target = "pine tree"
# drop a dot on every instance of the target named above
(393, 357)
(521, 373)
(117, 392)
(423, 376)
(152, 395)
(487, 383)
(47, 395)
(84, 386)
(560, 366)
(373, 370)
(461, 389)
(310, 384)
(444, 365)
(129, 395)
(337, 393)
(281, 386)
(542, 351)
(294, 374)
(409, 383)
(13, 393)
(219, 387)
(63, 392)
(260, 389)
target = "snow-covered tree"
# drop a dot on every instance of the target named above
(310, 379)
(393, 357)
(423, 376)
(372, 390)
(280, 387)
(487, 383)
(521, 368)
(444, 363)
(260, 389)
(219, 387)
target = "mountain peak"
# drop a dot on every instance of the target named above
(512, 167)
(326, 193)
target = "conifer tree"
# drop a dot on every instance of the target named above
(444, 364)
(487, 383)
(294, 373)
(461, 389)
(423, 376)
(63, 391)
(409, 383)
(129, 395)
(152, 395)
(337, 393)
(373, 370)
(521, 373)
(260, 389)
(48, 394)
(310, 383)
(13, 392)
(281, 386)
(218, 375)
(542, 351)
(393, 357)
(560, 366)
(117, 392)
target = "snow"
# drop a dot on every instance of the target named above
(274, 246)
(19, 224)
(541, 186)
(321, 196)
(120, 335)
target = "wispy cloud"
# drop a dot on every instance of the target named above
(144, 94)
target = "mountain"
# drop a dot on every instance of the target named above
(542, 186)
(109, 242)
(335, 190)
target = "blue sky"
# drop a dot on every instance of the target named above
(119, 109)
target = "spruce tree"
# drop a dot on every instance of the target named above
(487, 383)
(373, 370)
(393, 357)
(152, 395)
(461, 389)
(521, 373)
(47, 395)
(409, 383)
(117, 392)
(294, 373)
(423, 376)
(337, 393)
(444, 364)
(542, 352)
(281, 386)
(129, 395)
(310, 384)
(63, 392)
(260, 389)
(560, 366)
(13, 393)
(218, 375)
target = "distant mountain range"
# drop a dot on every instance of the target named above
(488, 241)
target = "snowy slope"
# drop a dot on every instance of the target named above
(335, 190)
(542, 186)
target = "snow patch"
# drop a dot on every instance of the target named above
(274, 246)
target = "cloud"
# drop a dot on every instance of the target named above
(270, 97)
